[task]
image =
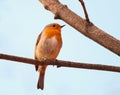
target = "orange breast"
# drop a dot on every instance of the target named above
(50, 32)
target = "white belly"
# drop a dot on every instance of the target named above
(49, 48)
(51, 44)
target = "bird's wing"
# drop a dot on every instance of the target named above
(38, 39)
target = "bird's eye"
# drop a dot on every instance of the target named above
(54, 25)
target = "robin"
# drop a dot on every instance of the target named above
(48, 46)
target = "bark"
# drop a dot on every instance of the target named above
(88, 29)
(61, 63)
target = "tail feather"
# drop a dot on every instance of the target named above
(40, 84)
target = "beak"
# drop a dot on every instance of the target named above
(62, 26)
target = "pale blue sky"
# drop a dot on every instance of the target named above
(20, 23)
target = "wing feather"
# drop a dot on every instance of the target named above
(38, 39)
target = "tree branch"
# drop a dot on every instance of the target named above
(85, 11)
(60, 63)
(90, 30)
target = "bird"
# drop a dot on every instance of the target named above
(48, 46)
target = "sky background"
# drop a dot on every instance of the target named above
(20, 23)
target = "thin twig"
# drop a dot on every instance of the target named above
(85, 11)
(61, 63)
